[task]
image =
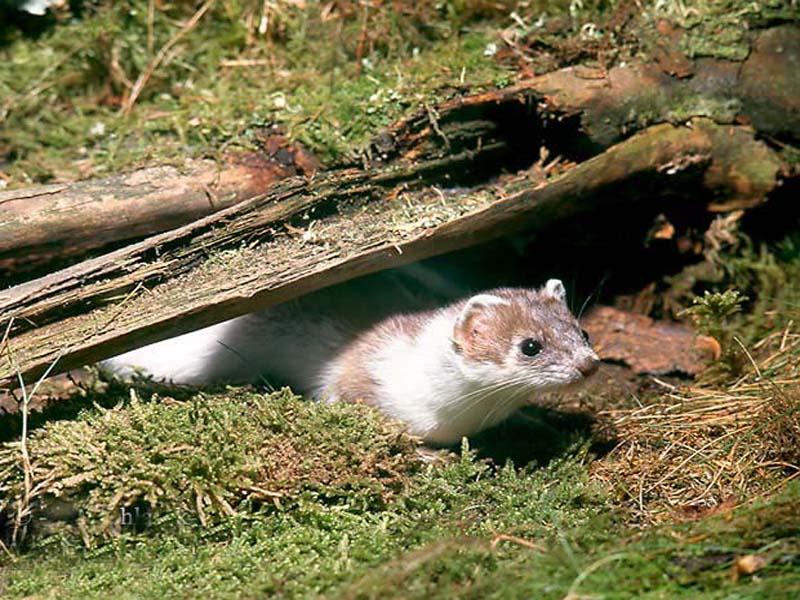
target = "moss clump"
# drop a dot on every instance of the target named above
(199, 461)
(718, 28)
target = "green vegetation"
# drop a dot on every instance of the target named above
(358, 515)
(330, 75)
(63, 113)
(711, 314)
(255, 450)
(232, 493)
(718, 27)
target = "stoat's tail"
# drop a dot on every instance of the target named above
(194, 358)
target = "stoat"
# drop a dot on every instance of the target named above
(446, 372)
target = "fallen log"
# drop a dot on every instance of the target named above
(306, 234)
(762, 91)
(47, 226)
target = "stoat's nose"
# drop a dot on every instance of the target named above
(588, 366)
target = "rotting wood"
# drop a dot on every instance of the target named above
(646, 345)
(251, 255)
(48, 225)
(762, 91)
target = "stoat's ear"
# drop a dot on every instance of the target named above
(555, 289)
(467, 325)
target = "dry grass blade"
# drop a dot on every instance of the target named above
(156, 61)
(703, 447)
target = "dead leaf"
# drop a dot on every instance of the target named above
(662, 229)
(709, 345)
(747, 565)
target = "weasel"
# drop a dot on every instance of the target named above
(446, 373)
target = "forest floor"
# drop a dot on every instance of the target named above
(634, 487)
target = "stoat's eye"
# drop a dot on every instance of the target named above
(585, 335)
(530, 347)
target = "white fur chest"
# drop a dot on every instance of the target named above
(421, 381)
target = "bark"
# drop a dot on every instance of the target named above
(306, 234)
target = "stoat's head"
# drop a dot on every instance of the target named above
(525, 336)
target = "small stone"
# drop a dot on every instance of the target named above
(97, 130)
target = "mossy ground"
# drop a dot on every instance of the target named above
(64, 93)
(242, 493)
(464, 528)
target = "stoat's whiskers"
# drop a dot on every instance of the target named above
(595, 292)
(469, 401)
(503, 404)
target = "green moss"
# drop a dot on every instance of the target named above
(353, 496)
(349, 111)
(460, 529)
(718, 28)
(196, 461)
(692, 561)
(770, 274)
(222, 83)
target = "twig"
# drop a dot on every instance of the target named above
(573, 589)
(263, 24)
(502, 537)
(156, 61)
(27, 468)
(245, 62)
(6, 334)
(753, 362)
(786, 335)
(5, 549)
(151, 13)
(433, 118)
(115, 68)
(362, 38)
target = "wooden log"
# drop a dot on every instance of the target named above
(762, 91)
(306, 234)
(49, 225)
